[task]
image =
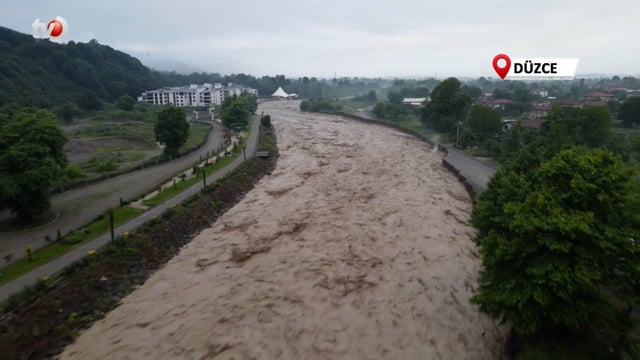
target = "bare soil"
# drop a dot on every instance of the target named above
(83, 149)
(357, 246)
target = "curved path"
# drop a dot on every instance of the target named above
(61, 262)
(357, 246)
(78, 207)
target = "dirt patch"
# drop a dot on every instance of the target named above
(357, 246)
(81, 150)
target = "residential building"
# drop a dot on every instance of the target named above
(205, 95)
(598, 96)
(541, 92)
(539, 111)
(494, 103)
(531, 123)
(415, 101)
(569, 103)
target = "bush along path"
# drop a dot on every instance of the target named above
(39, 322)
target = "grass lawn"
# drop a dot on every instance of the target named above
(197, 134)
(69, 242)
(132, 129)
(181, 185)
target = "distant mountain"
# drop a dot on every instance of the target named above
(165, 64)
(42, 73)
(36, 72)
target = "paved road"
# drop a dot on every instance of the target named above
(60, 263)
(78, 207)
(475, 171)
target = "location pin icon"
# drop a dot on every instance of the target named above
(502, 71)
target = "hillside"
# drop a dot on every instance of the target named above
(43, 73)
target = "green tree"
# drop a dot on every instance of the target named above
(172, 129)
(448, 106)
(371, 96)
(125, 102)
(558, 234)
(304, 105)
(484, 122)
(31, 160)
(89, 101)
(235, 112)
(629, 112)
(473, 92)
(265, 121)
(252, 102)
(590, 126)
(66, 112)
(395, 97)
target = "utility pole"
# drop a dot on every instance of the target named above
(204, 178)
(111, 221)
(244, 152)
(457, 133)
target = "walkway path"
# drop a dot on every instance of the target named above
(477, 172)
(78, 207)
(61, 262)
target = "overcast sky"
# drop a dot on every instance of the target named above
(350, 37)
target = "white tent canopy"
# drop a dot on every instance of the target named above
(280, 93)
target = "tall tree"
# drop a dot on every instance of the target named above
(590, 126)
(484, 121)
(125, 102)
(558, 235)
(394, 97)
(629, 112)
(172, 129)
(235, 112)
(31, 160)
(89, 101)
(448, 105)
(65, 112)
(473, 92)
(371, 96)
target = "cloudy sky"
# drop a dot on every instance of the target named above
(350, 37)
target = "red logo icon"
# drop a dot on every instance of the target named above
(55, 30)
(502, 71)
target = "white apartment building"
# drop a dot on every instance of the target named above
(193, 95)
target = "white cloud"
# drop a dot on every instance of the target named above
(403, 37)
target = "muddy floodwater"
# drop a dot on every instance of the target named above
(357, 246)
